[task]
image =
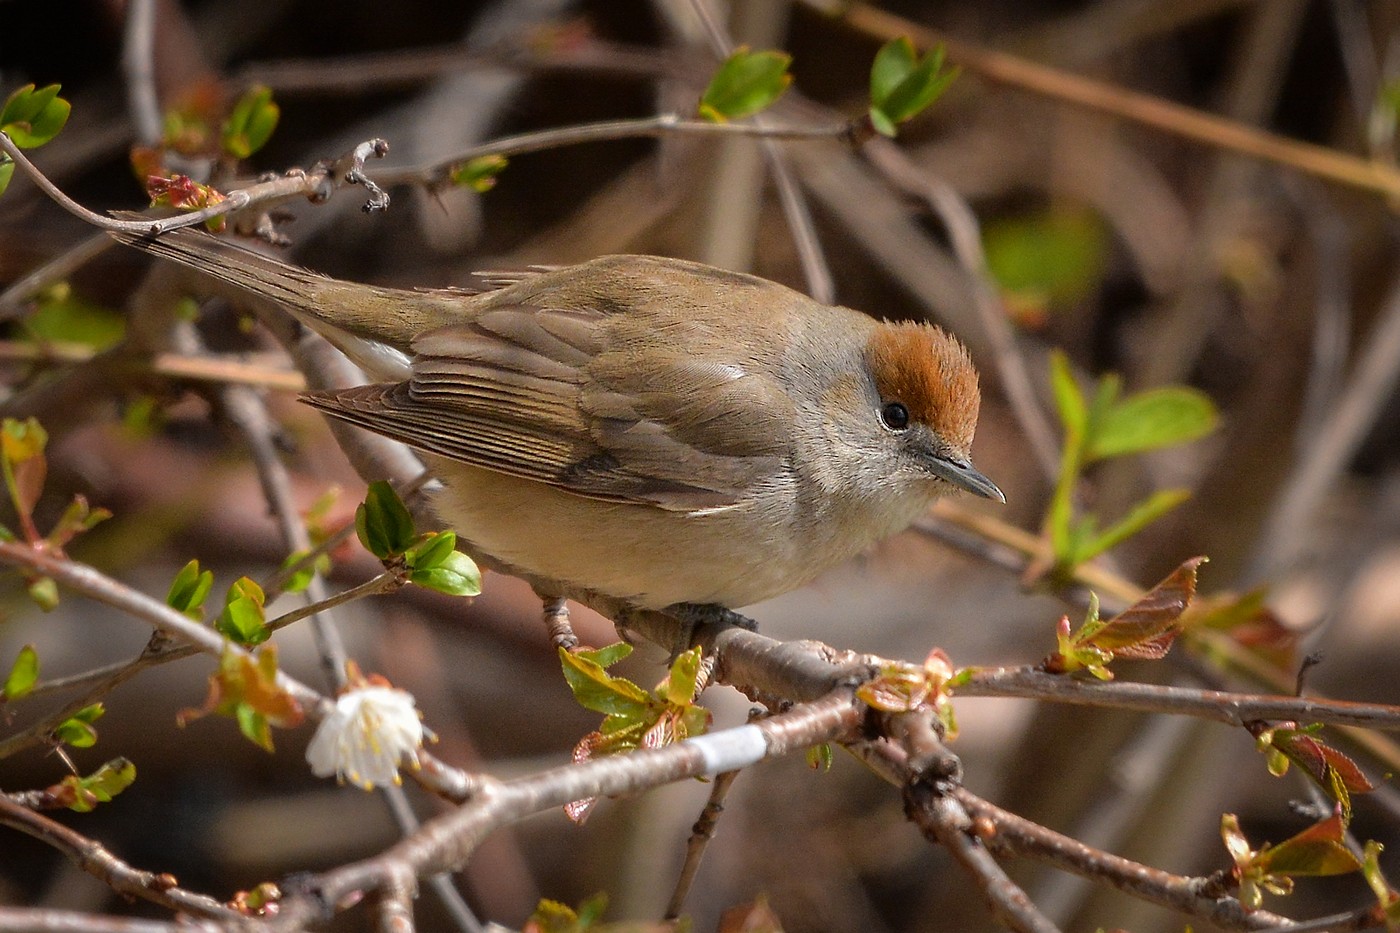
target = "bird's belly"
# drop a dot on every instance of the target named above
(647, 555)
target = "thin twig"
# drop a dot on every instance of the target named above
(138, 63)
(607, 130)
(1351, 417)
(1234, 709)
(246, 411)
(1014, 835)
(171, 365)
(447, 841)
(12, 299)
(97, 861)
(700, 835)
(1111, 99)
(317, 185)
(44, 920)
(943, 820)
(382, 583)
(812, 259)
(1122, 593)
(376, 72)
(94, 584)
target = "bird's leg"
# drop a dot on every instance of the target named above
(556, 622)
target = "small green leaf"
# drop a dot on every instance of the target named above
(893, 63)
(101, 786)
(243, 620)
(746, 83)
(431, 550)
(902, 85)
(22, 440)
(63, 316)
(679, 688)
(1386, 897)
(1152, 419)
(383, 522)
(251, 124)
(24, 673)
(77, 729)
(820, 757)
(596, 689)
(300, 580)
(479, 174)
(7, 172)
(456, 575)
(33, 117)
(606, 656)
(44, 592)
(1139, 517)
(189, 590)
(1047, 259)
(1069, 400)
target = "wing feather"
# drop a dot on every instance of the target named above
(537, 393)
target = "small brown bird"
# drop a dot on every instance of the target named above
(650, 429)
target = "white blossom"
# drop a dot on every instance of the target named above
(369, 734)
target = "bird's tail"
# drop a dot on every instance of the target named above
(373, 325)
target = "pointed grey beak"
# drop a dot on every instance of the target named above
(964, 475)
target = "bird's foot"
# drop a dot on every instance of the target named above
(701, 622)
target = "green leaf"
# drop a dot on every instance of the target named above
(902, 85)
(1046, 259)
(300, 580)
(99, 787)
(820, 757)
(1069, 400)
(77, 730)
(606, 656)
(596, 689)
(243, 620)
(33, 117)
(1386, 897)
(479, 174)
(456, 575)
(22, 440)
(63, 316)
(189, 590)
(893, 63)
(746, 83)
(431, 550)
(383, 522)
(1152, 419)
(24, 673)
(251, 124)
(1139, 517)
(679, 688)
(44, 592)
(7, 172)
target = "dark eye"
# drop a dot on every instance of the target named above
(895, 416)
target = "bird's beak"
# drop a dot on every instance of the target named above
(964, 475)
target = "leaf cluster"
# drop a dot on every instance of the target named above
(430, 560)
(1103, 426)
(633, 717)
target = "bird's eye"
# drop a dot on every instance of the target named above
(895, 416)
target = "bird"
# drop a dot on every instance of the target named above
(652, 429)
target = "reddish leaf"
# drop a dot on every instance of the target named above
(1147, 628)
(1319, 850)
